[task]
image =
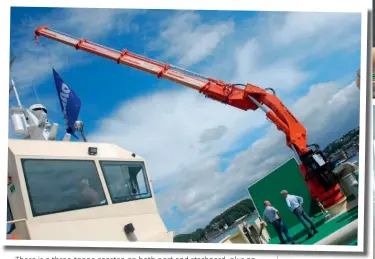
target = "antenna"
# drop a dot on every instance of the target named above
(13, 87)
(12, 60)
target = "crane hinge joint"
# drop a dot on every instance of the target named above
(205, 88)
(78, 45)
(123, 53)
(163, 70)
(208, 85)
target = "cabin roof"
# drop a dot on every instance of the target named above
(63, 149)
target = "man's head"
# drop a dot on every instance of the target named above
(267, 203)
(284, 193)
(84, 183)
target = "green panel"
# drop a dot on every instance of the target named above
(287, 177)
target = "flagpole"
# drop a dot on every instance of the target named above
(83, 136)
(79, 126)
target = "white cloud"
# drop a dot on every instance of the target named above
(279, 47)
(250, 64)
(317, 30)
(179, 121)
(185, 38)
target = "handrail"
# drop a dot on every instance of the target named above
(16, 221)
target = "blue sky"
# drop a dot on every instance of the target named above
(201, 154)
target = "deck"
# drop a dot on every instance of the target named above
(325, 229)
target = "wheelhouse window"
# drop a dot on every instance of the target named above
(62, 185)
(126, 181)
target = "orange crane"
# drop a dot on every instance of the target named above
(314, 167)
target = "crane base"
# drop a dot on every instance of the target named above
(331, 197)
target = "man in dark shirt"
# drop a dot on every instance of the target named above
(272, 216)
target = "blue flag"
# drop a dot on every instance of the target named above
(70, 103)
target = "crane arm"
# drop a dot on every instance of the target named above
(250, 97)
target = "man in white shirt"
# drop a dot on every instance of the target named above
(272, 216)
(294, 204)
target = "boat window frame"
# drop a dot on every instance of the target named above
(34, 213)
(12, 226)
(9, 211)
(127, 163)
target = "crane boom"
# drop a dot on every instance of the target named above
(227, 93)
(250, 97)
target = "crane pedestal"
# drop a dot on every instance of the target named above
(331, 197)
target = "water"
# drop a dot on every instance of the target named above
(353, 159)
